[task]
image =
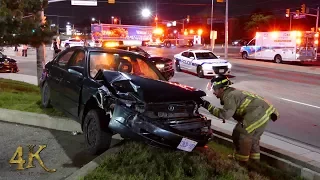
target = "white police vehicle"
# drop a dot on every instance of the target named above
(202, 62)
(72, 42)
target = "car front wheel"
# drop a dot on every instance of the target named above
(200, 72)
(97, 138)
(178, 68)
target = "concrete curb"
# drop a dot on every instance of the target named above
(41, 120)
(278, 160)
(271, 157)
(92, 165)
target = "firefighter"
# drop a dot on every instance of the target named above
(251, 111)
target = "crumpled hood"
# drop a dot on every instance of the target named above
(217, 62)
(150, 90)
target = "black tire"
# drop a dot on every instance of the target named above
(190, 44)
(168, 44)
(178, 68)
(244, 55)
(67, 45)
(200, 72)
(97, 136)
(278, 59)
(45, 96)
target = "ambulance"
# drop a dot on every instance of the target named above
(280, 46)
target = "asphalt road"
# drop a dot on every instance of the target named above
(64, 152)
(296, 95)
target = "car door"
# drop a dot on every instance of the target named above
(183, 60)
(72, 82)
(189, 60)
(56, 73)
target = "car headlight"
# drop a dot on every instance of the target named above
(160, 66)
(229, 65)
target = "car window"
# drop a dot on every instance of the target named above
(108, 61)
(206, 55)
(252, 43)
(77, 59)
(64, 59)
(190, 55)
(140, 67)
(101, 60)
(185, 54)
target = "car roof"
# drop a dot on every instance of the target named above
(93, 49)
(197, 50)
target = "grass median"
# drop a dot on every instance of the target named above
(136, 161)
(22, 96)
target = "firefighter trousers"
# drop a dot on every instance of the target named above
(247, 145)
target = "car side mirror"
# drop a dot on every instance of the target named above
(192, 57)
(77, 70)
(125, 66)
(218, 56)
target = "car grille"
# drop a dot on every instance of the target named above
(170, 110)
(220, 69)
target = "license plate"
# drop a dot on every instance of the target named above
(221, 70)
(187, 144)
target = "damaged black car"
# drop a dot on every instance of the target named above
(111, 91)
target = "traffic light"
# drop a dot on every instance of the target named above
(287, 12)
(111, 1)
(33, 30)
(303, 8)
(188, 18)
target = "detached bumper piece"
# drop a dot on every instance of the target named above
(169, 132)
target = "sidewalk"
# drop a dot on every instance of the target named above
(32, 54)
(281, 147)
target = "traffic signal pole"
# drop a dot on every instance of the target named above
(226, 34)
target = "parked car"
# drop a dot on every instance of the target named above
(202, 62)
(72, 42)
(112, 91)
(240, 42)
(165, 65)
(8, 64)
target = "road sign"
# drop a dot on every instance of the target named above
(215, 20)
(84, 2)
(300, 16)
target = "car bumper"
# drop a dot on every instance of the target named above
(213, 73)
(9, 68)
(130, 124)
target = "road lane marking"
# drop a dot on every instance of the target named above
(300, 103)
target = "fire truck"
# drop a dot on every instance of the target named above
(166, 38)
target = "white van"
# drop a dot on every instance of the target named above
(281, 46)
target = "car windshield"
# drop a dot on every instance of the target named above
(206, 55)
(109, 61)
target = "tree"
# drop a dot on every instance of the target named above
(258, 22)
(23, 22)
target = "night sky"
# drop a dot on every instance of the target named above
(129, 10)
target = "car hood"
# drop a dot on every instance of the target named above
(213, 61)
(157, 59)
(149, 90)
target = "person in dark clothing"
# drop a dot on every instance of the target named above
(55, 48)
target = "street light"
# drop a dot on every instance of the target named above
(146, 13)
(93, 19)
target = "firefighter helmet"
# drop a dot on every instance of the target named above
(219, 81)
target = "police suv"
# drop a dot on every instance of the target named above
(202, 62)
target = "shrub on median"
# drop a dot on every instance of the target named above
(137, 161)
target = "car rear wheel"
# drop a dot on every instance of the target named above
(278, 59)
(200, 72)
(97, 137)
(45, 96)
(178, 68)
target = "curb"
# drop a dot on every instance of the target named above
(40, 120)
(269, 156)
(92, 165)
(278, 160)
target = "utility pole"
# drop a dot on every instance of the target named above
(317, 23)
(211, 33)
(226, 34)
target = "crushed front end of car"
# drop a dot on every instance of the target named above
(157, 112)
